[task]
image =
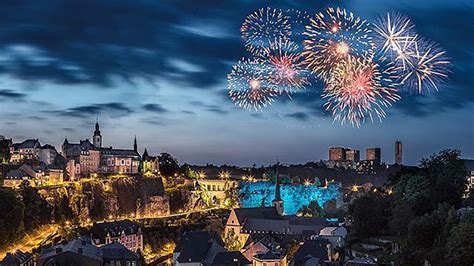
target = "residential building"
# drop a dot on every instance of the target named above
(81, 251)
(47, 154)
(197, 248)
(229, 258)
(14, 179)
(352, 155)
(17, 258)
(26, 150)
(151, 164)
(270, 258)
(336, 235)
(312, 253)
(337, 154)
(126, 232)
(374, 154)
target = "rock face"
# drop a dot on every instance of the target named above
(101, 198)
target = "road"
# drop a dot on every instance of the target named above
(30, 241)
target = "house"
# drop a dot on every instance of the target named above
(312, 253)
(335, 235)
(126, 232)
(26, 150)
(14, 179)
(259, 244)
(81, 251)
(238, 217)
(75, 252)
(17, 258)
(151, 164)
(117, 254)
(197, 248)
(229, 258)
(270, 258)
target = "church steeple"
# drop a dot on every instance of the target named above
(277, 202)
(97, 138)
(135, 146)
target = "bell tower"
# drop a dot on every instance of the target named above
(97, 138)
(277, 202)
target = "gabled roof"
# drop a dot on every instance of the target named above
(229, 258)
(333, 231)
(15, 258)
(120, 152)
(80, 246)
(29, 144)
(115, 229)
(257, 213)
(311, 249)
(115, 250)
(270, 255)
(195, 246)
(16, 175)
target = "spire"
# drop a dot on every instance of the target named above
(277, 184)
(145, 155)
(135, 147)
(277, 202)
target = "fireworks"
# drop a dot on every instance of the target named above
(263, 27)
(248, 88)
(395, 37)
(334, 36)
(285, 67)
(358, 90)
(362, 65)
(428, 67)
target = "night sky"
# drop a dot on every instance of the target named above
(157, 70)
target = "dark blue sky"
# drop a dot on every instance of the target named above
(157, 69)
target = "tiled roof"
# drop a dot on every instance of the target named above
(230, 258)
(115, 229)
(195, 246)
(15, 258)
(28, 144)
(81, 246)
(116, 250)
(311, 249)
(261, 213)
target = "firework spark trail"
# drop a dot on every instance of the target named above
(332, 37)
(263, 27)
(298, 20)
(358, 90)
(248, 88)
(284, 66)
(428, 68)
(395, 37)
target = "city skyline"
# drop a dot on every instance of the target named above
(158, 71)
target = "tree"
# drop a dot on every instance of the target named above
(11, 216)
(188, 173)
(370, 214)
(168, 164)
(460, 245)
(311, 210)
(414, 191)
(447, 175)
(232, 241)
(37, 210)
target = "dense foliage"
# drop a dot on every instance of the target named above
(420, 206)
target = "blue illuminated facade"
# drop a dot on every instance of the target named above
(294, 196)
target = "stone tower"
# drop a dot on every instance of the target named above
(277, 202)
(97, 138)
(398, 152)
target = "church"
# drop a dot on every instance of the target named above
(85, 158)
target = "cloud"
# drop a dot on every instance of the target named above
(298, 116)
(11, 95)
(154, 107)
(112, 109)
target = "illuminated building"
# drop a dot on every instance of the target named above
(150, 163)
(398, 152)
(85, 157)
(126, 232)
(337, 154)
(374, 154)
(26, 150)
(352, 155)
